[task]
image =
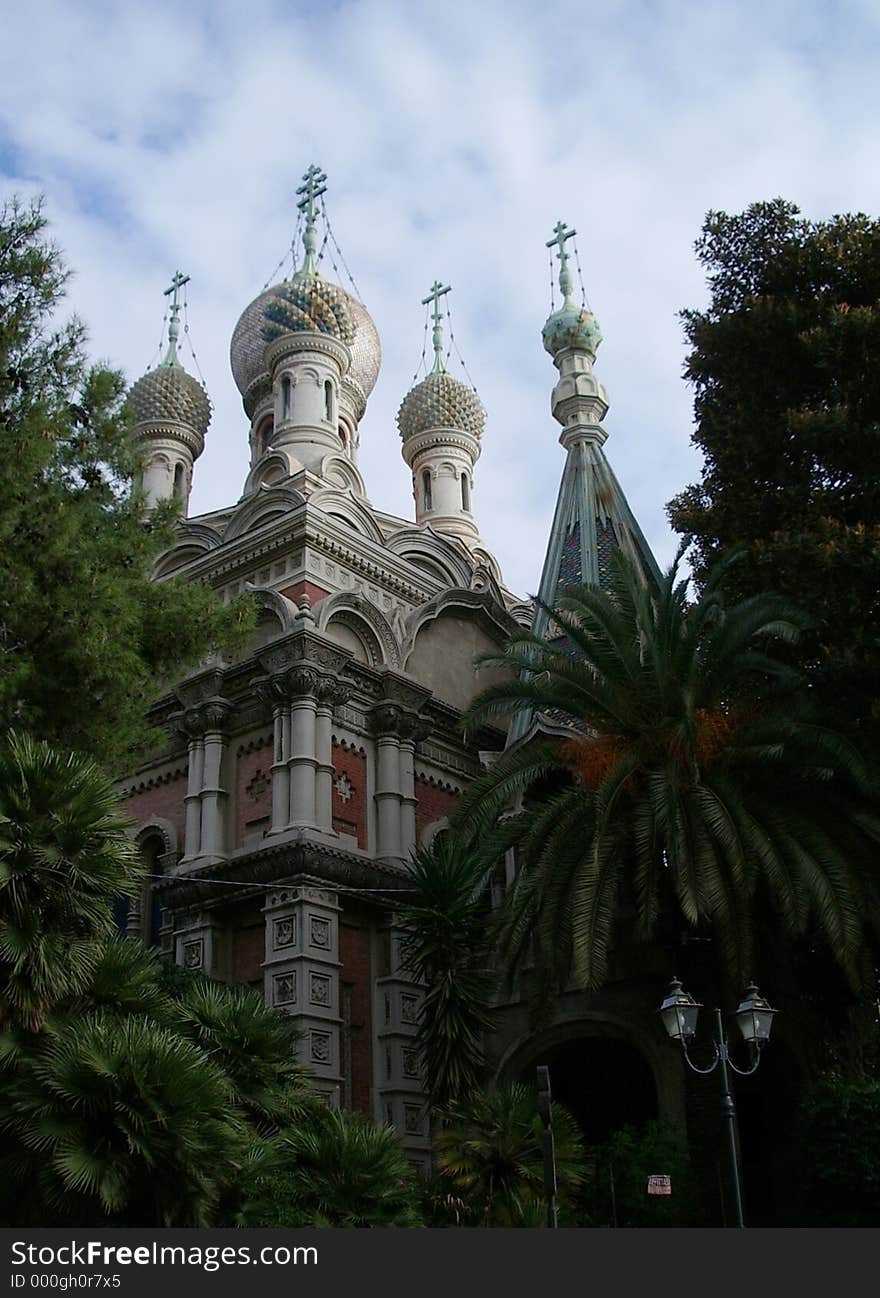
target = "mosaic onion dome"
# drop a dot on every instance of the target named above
(168, 395)
(572, 326)
(305, 304)
(440, 401)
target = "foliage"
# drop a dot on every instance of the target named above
(694, 783)
(784, 364)
(339, 1170)
(616, 1190)
(85, 634)
(121, 1119)
(64, 853)
(447, 948)
(838, 1137)
(490, 1157)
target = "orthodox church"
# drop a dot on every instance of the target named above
(293, 783)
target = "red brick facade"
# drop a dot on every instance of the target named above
(435, 801)
(166, 801)
(350, 812)
(253, 793)
(354, 988)
(296, 592)
(248, 953)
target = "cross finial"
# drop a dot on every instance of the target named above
(313, 186)
(561, 237)
(174, 288)
(437, 291)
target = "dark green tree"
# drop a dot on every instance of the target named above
(694, 786)
(64, 855)
(785, 368)
(448, 948)
(490, 1157)
(86, 637)
(339, 1170)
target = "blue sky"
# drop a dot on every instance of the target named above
(454, 137)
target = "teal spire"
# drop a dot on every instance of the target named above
(177, 283)
(572, 325)
(313, 186)
(437, 291)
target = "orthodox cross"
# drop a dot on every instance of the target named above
(174, 288)
(561, 237)
(437, 291)
(313, 186)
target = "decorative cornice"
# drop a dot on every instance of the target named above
(168, 430)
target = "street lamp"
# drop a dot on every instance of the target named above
(754, 1016)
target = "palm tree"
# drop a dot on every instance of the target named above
(116, 1119)
(340, 1170)
(446, 947)
(490, 1155)
(255, 1047)
(686, 776)
(64, 856)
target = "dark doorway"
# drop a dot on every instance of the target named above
(605, 1082)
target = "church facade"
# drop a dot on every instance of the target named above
(294, 783)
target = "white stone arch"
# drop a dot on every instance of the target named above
(265, 506)
(193, 541)
(346, 507)
(435, 553)
(360, 616)
(270, 603)
(340, 473)
(157, 827)
(479, 604)
(270, 470)
(430, 832)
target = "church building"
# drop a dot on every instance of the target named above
(294, 783)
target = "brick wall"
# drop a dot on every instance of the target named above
(435, 801)
(296, 592)
(354, 985)
(253, 793)
(248, 953)
(350, 812)
(166, 801)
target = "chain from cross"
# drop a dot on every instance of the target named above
(561, 237)
(437, 291)
(313, 186)
(174, 288)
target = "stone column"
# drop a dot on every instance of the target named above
(213, 831)
(412, 729)
(195, 778)
(330, 693)
(303, 746)
(273, 694)
(386, 720)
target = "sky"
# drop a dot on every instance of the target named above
(454, 136)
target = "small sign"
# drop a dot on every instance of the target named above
(659, 1185)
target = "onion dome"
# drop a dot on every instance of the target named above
(440, 401)
(309, 304)
(167, 394)
(572, 325)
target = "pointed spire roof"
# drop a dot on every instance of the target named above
(592, 517)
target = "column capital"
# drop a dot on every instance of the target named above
(204, 718)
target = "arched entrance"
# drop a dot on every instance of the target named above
(606, 1082)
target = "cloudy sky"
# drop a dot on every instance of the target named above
(454, 136)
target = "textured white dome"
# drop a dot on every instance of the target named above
(440, 401)
(352, 323)
(168, 394)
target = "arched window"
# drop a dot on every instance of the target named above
(342, 436)
(465, 493)
(285, 397)
(426, 490)
(263, 439)
(328, 401)
(151, 911)
(178, 481)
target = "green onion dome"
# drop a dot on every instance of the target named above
(440, 401)
(572, 326)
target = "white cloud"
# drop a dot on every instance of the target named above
(454, 138)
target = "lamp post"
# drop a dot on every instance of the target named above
(754, 1016)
